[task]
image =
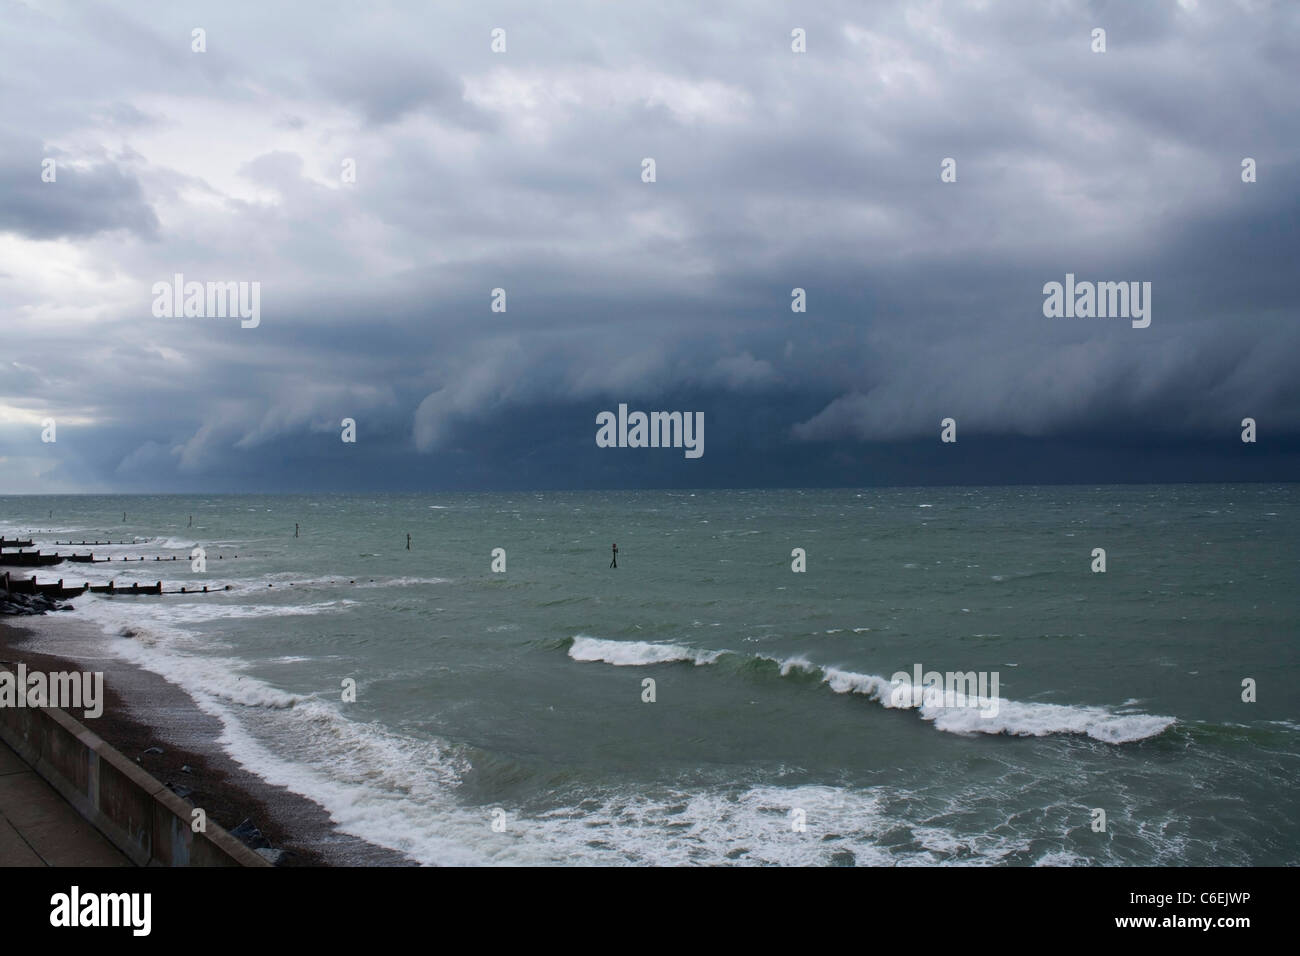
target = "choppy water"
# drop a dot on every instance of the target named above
(522, 692)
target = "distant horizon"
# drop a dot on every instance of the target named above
(683, 489)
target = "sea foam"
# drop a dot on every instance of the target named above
(635, 653)
(1012, 718)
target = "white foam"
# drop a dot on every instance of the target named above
(400, 582)
(636, 653)
(945, 711)
(153, 645)
(132, 613)
(755, 827)
(792, 664)
(1010, 717)
(390, 790)
(849, 682)
(1062, 858)
(400, 793)
(1040, 720)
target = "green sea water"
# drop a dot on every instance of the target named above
(504, 717)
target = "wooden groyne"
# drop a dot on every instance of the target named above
(112, 588)
(29, 559)
(14, 543)
(60, 590)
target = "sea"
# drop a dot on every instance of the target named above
(497, 694)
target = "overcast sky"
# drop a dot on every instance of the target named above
(522, 170)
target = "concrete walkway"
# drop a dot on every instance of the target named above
(39, 828)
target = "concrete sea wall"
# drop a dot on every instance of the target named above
(140, 816)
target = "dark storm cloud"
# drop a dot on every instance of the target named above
(522, 171)
(82, 200)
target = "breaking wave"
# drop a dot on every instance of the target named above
(987, 716)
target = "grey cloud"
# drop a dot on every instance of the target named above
(776, 170)
(82, 200)
(403, 84)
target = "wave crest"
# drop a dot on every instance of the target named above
(946, 713)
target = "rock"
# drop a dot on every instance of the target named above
(29, 604)
(272, 856)
(152, 750)
(248, 834)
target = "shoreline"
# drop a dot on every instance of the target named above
(141, 710)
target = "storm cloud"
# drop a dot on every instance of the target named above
(521, 170)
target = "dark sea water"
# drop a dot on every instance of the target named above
(499, 717)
